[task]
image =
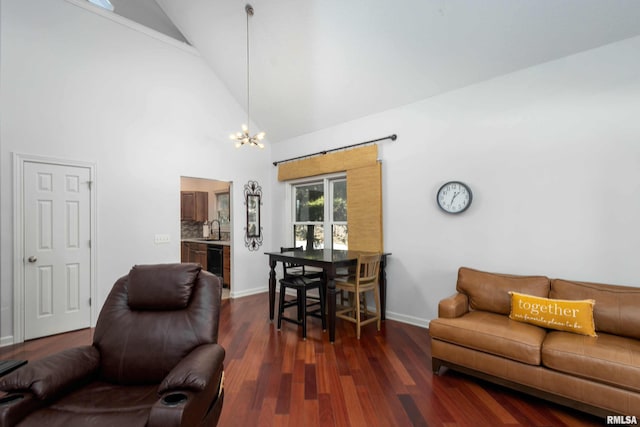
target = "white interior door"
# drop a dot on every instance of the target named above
(57, 248)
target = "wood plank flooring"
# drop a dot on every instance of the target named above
(273, 378)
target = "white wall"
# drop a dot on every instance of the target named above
(552, 155)
(76, 85)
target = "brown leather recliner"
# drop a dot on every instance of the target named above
(154, 361)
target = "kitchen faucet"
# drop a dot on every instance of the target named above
(219, 228)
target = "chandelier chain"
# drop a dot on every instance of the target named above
(249, 11)
(244, 137)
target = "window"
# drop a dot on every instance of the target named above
(319, 213)
(105, 4)
(222, 208)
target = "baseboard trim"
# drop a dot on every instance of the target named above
(247, 292)
(398, 317)
(411, 320)
(5, 341)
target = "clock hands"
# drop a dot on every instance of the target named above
(454, 197)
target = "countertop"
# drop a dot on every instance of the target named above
(208, 241)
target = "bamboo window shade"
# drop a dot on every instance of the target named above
(364, 208)
(364, 190)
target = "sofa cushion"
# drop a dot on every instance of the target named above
(561, 314)
(616, 309)
(492, 333)
(608, 359)
(490, 291)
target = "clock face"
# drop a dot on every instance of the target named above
(454, 197)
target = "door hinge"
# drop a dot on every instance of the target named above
(89, 302)
(89, 244)
(89, 183)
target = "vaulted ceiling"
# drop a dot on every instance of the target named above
(317, 63)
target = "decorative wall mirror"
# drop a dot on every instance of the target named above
(253, 215)
(253, 230)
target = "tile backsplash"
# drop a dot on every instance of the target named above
(193, 230)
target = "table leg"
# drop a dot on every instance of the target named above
(272, 288)
(331, 299)
(383, 289)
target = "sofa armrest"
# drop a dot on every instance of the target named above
(47, 377)
(453, 306)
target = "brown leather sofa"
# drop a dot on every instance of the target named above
(600, 375)
(154, 361)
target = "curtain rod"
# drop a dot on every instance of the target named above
(391, 137)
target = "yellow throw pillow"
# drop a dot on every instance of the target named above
(561, 314)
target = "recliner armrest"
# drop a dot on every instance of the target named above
(47, 377)
(192, 393)
(17, 405)
(203, 365)
(454, 306)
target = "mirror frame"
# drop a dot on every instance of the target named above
(253, 215)
(253, 229)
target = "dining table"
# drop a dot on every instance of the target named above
(330, 261)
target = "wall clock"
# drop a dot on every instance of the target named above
(454, 197)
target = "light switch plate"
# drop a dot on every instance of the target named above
(162, 238)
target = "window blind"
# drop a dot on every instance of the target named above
(364, 190)
(338, 161)
(364, 208)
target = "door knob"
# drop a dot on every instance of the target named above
(33, 258)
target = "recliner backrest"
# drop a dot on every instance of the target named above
(152, 318)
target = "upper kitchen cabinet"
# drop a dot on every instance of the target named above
(194, 206)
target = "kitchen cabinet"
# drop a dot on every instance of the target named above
(202, 253)
(184, 252)
(194, 252)
(226, 266)
(194, 206)
(198, 254)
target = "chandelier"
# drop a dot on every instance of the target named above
(244, 137)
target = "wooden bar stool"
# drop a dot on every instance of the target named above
(305, 307)
(365, 279)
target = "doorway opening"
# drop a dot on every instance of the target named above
(206, 220)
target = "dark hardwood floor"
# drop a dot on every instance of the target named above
(273, 378)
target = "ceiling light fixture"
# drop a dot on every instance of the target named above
(244, 137)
